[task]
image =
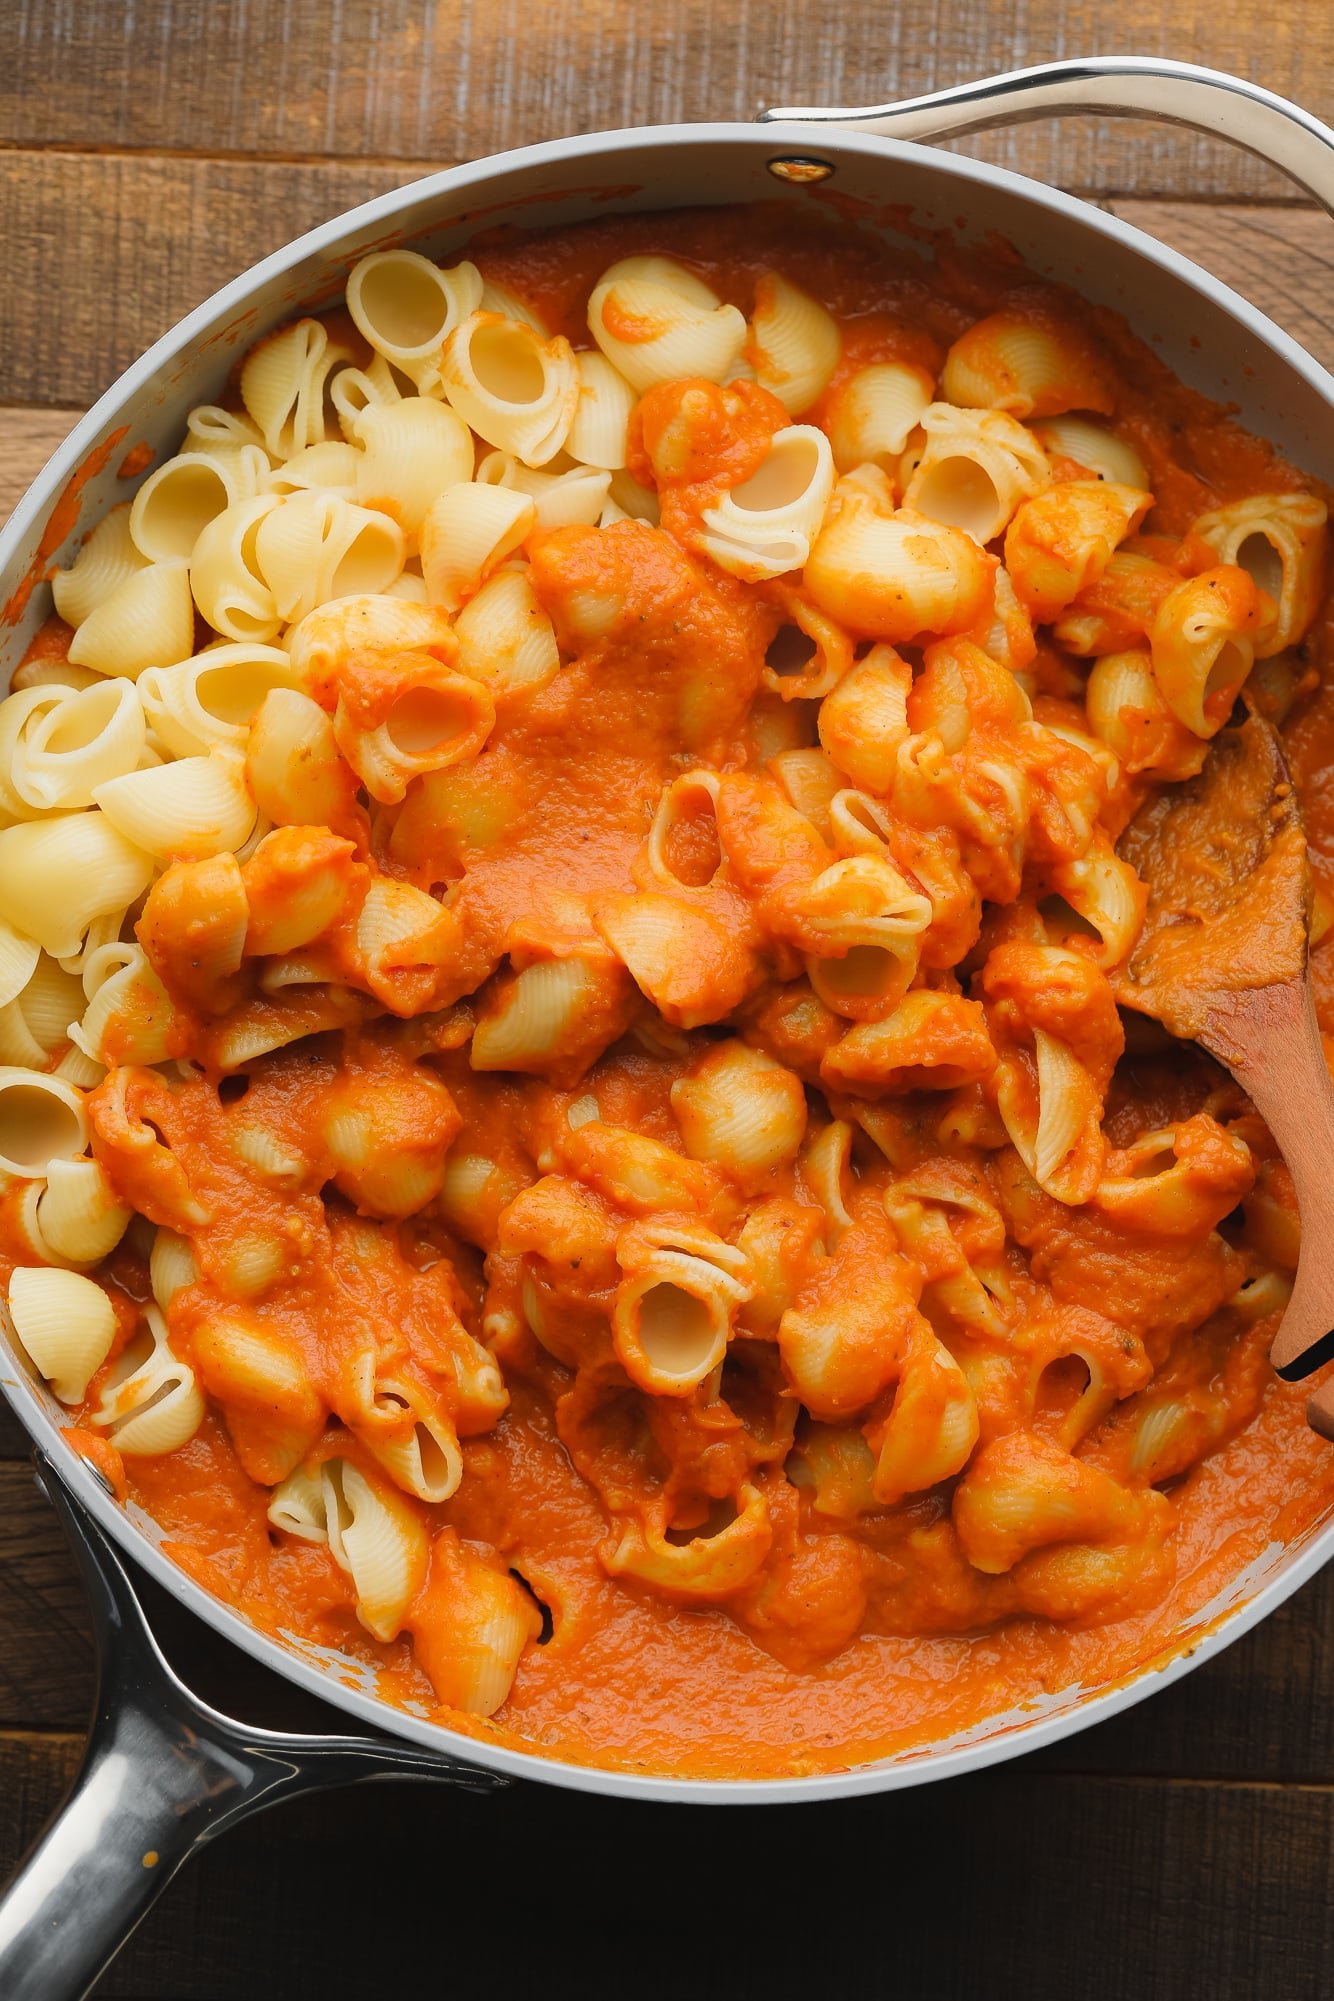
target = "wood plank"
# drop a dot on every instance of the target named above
(393, 81)
(27, 440)
(102, 255)
(1099, 1888)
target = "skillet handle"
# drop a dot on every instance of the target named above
(163, 1772)
(1208, 100)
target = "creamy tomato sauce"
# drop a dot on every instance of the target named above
(865, 1631)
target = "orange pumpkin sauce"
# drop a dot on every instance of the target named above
(847, 1656)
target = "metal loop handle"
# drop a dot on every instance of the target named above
(1207, 100)
(164, 1771)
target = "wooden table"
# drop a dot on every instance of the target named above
(147, 153)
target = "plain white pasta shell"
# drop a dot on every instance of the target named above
(329, 467)
(106, 560)
(407, 307)
(41, 1120)
(765, 526)
(212, 698)
(51, 1000)
(381, 1545)
(78, 1214)
(315, 546)
(57, 876)
(297, 1507)
(150, 1403)
(195, 807)
(176, 503)
(505, 637)
(797, 342)
(171, 1265)
(873, 414)
(18, 1044)
(225, 576)
(516, 391)
(147, 621)
(599, 433)
(426, 1462)
(411, 451)
(18, 962)
(676, 336)
(85, 738)
(469, 529)
(65, 1325)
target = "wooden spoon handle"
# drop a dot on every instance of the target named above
(1269, 1040)
(1320, 1410)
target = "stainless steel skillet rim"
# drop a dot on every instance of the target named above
(1010, 1736)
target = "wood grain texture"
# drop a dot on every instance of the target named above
(1096, 1889)
(143, 239)
(451, 79)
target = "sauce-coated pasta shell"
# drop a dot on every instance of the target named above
(742, 1110)
(65, 1325)
(895, 575)
(1012, 362)
(1279, 540)
(171, 1265)
(656, 322)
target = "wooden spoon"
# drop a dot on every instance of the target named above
(1222, 961)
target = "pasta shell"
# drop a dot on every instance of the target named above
(107, 559)
(425, 1460)
(78, 1214)
(411, 451)
(330, 467)
(315, 546)
(151, 1403)
(656, 322)
(599, 433)
(873, 414)
(171, 1265)
(765, 526)
(297, 1506)
(58, 875)
(560, 500)
(1101, 451)
(282, 386)
(795, 344)
(147, 621)
(505, 637)
(78, 743)
(212, 698)
(469, 530)
(504, 300)
(176, 503)
(742, 1110)
(407, 307)
(18, 962)
(379, 1541)
(516, 390)
(65, 1325)
(194, 807)
(228, 585)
